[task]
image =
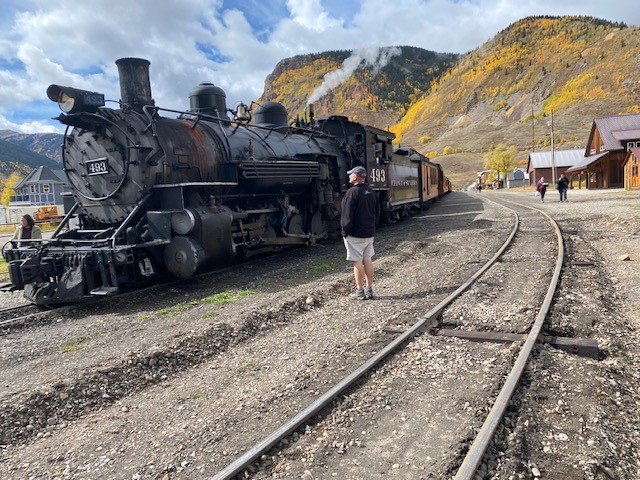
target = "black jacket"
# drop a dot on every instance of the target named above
(360, 211)
(563, 184)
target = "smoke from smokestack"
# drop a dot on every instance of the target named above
(374, 57)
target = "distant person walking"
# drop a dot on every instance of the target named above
(563, 186)
(27, 230)
(541, 187)
(360, 211)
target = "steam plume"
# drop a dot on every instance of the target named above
(374, 57)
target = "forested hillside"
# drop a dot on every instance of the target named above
(47, 144)
(17, 159)
(373, 94)
(577, 67)
(444, 104)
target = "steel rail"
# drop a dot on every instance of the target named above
(476, 452)
(17, 307)
(244, 461)
(11, 321)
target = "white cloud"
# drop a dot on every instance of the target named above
(29, 127)
(311, 15)
(68, 42)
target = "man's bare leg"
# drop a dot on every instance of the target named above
(359, 274)
(368, 271)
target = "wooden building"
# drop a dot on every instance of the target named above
(540, 164)
(518, 178)
(42, 186)
(483, 177)
(610, 140)
(631, 176)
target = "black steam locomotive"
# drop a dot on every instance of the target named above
(156, 195)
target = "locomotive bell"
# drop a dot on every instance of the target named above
(208, 99)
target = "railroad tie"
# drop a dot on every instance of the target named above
(584, 347)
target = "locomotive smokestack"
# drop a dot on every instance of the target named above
(310, 114)
(135, 86)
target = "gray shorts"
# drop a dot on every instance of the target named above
(358, 248)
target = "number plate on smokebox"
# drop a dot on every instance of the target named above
(99, 166)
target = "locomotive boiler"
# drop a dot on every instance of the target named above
(159, 191)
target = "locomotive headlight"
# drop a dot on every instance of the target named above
(74, 100)
(65, 102)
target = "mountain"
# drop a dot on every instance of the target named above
(14, 158)
(47, 144)
(576, 67)
(384, 83)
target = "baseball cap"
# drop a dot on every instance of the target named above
(360, 171)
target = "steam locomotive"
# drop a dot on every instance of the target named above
(155, 195)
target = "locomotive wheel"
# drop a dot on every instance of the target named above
(317, 227)
(294, 225)
(182, 257)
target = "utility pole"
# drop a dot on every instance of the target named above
(533, 129)
(553, 153)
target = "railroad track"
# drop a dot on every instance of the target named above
(20, 314)
(475, 454)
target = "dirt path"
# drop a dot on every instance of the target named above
(174, 386)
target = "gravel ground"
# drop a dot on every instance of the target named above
(169, 385)
(574, 417)
(152, 395)
(435, 391)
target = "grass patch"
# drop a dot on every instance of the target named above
(197, 395)
(222, 298)
(321, 268)
(228, 296)
(74, 345)
(263, 283)
(177, 309)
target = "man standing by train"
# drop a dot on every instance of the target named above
(360, 211)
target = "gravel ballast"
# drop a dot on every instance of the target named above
(172, 386)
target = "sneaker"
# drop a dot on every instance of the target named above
(359, 294)
(368, 293)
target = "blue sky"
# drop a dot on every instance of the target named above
(234, 43)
